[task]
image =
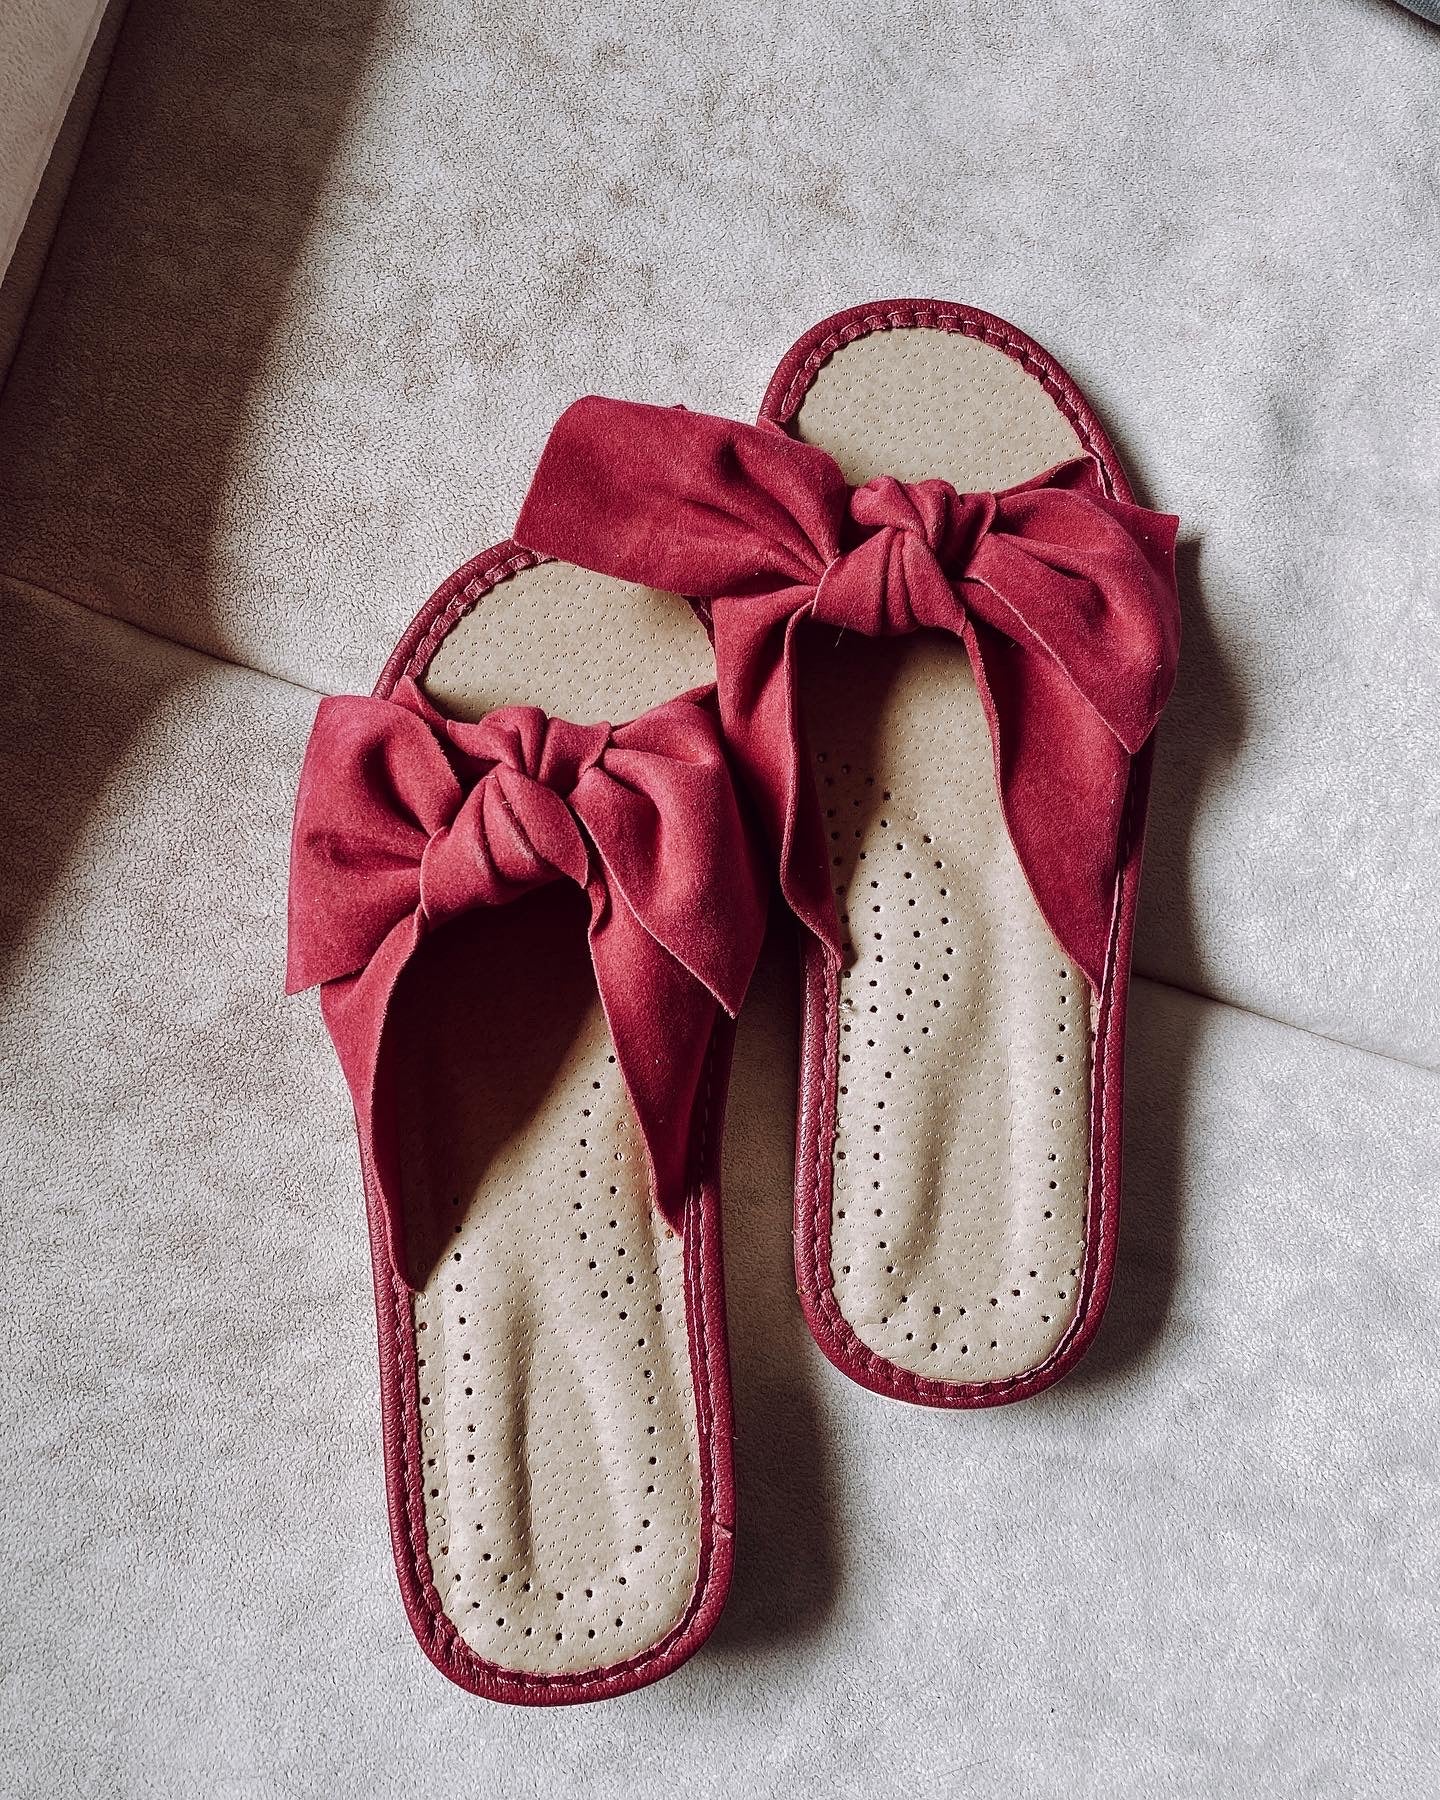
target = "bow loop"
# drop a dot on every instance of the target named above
(661, 811)
(914, 539)
(1088, 581)
(375, 789)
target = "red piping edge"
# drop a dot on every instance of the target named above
(819, 1068)
(436, 1633)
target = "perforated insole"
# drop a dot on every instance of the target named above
(558, 1422)
(961, 1161)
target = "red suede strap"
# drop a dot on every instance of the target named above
(406, 819)
(1063, 596)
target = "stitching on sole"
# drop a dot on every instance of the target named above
(446, 1643)
(941, 318)
(846, 1347)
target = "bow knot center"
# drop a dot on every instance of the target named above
(515, 829)
(908, 543)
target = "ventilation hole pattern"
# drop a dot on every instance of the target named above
(960, 1162)
(557, 1418)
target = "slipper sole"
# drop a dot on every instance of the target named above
(958, 1141)
(556, 1396)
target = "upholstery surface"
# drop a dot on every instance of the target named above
(43, 47)
(324, 280)
(28, 130)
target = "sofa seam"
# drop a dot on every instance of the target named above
(1202, 998)
(28, 586)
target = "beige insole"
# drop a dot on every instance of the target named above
(961, 1161)
(558, 1422)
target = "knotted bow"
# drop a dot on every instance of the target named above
(1063, 596)
(406, 819)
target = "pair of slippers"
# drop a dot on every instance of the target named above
(924, 641)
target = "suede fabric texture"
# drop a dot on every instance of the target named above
(1062, 592)
(407, 820)
(325, 280)
(1205, 1564)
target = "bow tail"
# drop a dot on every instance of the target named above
(356, 1009)
(1063, 779)
(755, 655)
(661, 1023)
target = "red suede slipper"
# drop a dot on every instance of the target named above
(530, 937)
(943, 635)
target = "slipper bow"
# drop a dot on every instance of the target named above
(1063, 595)
(406, 820)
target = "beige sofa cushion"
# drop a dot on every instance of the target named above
(53, 55)
(43, 47)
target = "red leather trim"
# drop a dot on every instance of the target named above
(819, 1065)
(705, 1309)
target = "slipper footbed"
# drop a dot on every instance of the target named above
(559, 1437)
(955, 1217)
